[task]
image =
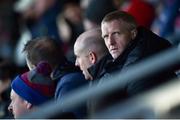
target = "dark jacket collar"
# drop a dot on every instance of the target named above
(145, 44)
(97, 70)
(63, 69)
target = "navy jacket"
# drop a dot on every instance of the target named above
(69, 78)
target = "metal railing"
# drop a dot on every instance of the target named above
(156, 103)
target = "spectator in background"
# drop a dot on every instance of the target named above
(31, 89)
(9, 31)
(38, 19)
(95, 12)
(89, 48)
(66, 76)
(70, 25)
(174, 37)
(164, 23)
(143, 11)
(7, 72)
(128, 44)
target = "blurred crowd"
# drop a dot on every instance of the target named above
(64, 21)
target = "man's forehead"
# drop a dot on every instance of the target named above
(116, 25)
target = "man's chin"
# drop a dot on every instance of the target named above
(114, 56)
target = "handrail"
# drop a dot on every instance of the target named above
(152, 104)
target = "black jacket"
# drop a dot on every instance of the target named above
(143, 46)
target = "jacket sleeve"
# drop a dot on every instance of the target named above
(68, 84)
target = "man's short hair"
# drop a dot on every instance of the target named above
(44, 49)
(126, 18)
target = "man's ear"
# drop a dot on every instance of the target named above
(92, 57)
(133, 34)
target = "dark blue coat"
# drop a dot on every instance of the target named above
(69, 78)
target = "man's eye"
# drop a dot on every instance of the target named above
(116, 33)
(105, 36)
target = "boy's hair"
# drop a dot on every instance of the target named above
(44, 49)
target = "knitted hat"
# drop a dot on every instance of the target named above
(97, 9)
(36, 85)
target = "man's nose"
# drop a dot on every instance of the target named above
(111, 40)
(10, 108)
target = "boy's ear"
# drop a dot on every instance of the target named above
(92, 57)
(28, 105)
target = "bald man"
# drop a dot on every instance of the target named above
(89, 48)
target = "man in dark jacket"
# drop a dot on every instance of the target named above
(66, 76)
(128, 44)
(89, 48)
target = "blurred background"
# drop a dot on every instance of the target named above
(23, 20)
